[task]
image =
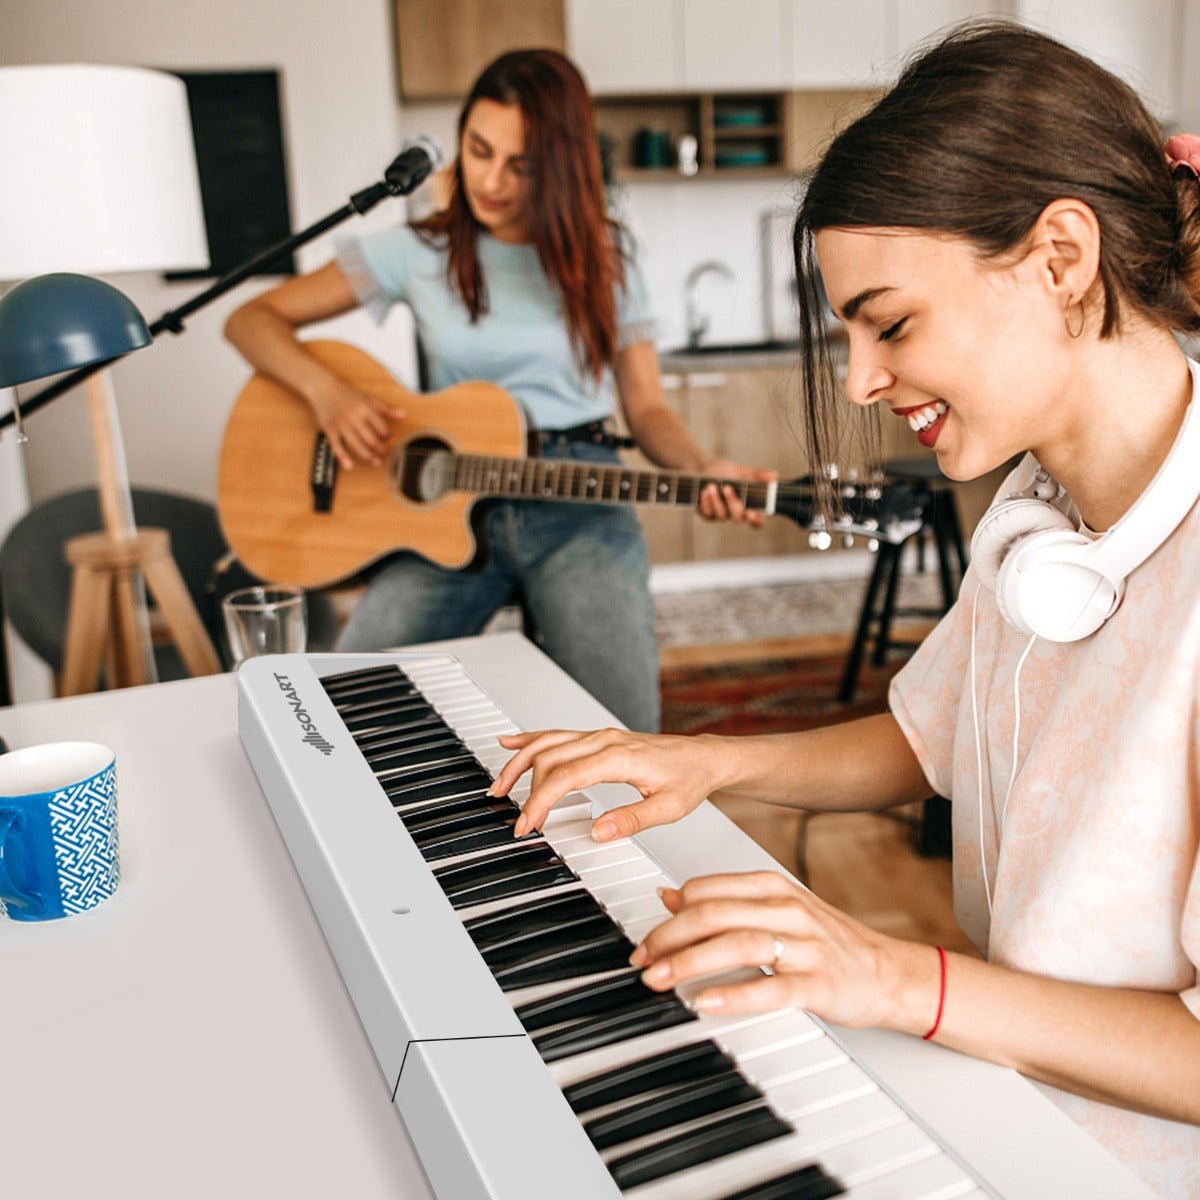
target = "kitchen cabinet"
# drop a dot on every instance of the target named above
(736, 47)
(627, 45)
(920, 20)
(442, 45)
(1139, 42)
(841, 46)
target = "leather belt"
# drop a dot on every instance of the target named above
(595, 432)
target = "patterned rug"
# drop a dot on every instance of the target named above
(769, 695)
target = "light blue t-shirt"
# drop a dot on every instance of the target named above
(521, 342)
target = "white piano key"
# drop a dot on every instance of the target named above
(640, 908)
(938, 1178)
(822, 1089)
(878, 1154)
(785, 1027)
(793, 1062)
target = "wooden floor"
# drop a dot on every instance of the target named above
(866, 864)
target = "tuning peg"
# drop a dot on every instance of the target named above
(847, 541)
(873, 545)
(820, 539)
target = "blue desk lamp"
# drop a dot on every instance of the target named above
(60, 322)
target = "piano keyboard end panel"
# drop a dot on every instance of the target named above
(330, 810)
(490, 1124)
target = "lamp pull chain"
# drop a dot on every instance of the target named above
(22, 436)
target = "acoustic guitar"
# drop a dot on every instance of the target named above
(292, 516)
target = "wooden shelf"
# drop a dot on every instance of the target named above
(795, 128)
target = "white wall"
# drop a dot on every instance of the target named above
(341, 128)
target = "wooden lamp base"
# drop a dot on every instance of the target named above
(103, 622)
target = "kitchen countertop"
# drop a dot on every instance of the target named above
(740, 356)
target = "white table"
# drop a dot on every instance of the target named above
(192, 1037)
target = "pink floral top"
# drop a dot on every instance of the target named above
(1095, 875)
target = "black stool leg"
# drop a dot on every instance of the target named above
(883, 633)
(943, 536)
(884, 560)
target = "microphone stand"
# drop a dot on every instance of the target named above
(172, 320)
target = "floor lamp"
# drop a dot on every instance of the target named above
(98, 175)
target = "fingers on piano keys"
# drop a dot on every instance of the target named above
(765, 1107)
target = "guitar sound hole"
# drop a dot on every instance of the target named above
(424, 471)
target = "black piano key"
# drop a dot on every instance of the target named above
(394, 779)
(374, 693)
(648, 1115)
(546, 912)
(703, 1144)
(438, 826)
(587, 1000)
(432, 784)
(808, 1183)
(452, 813)
(444, 749)
(606, 950)
(379, 741)
(345, 679)
(395, 713)
(660, 1012)
(518, 870)
(572, 933)
(700, 1060)
(452, 845)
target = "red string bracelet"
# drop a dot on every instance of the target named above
(941, 995)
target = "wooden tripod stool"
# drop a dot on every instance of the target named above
(106, 618)
(103, 616)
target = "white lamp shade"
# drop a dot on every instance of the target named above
(97, 172)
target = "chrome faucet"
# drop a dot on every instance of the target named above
(698, 323)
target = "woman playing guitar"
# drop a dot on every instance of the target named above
(524, 281)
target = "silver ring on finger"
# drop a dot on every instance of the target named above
(778, 957)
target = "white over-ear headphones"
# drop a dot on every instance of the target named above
(1054, 582)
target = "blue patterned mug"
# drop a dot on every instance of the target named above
(58, 830)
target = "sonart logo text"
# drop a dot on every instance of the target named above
(311, 734)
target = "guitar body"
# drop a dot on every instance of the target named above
(266, 502)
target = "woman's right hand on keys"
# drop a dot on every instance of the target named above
(357, 424)
(672, 773)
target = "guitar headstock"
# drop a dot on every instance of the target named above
(878, 510)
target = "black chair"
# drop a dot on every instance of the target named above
(35, 578)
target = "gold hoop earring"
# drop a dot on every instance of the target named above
(1074, 333)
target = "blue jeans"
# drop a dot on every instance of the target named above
(581, 571)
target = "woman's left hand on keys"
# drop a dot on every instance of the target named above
(830, 964)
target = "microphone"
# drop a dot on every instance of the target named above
(418, 158)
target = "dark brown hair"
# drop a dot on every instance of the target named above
(979, 135)
(579, 247)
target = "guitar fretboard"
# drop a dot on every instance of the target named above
(568, 479)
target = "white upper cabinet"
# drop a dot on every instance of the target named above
(845, 45)
(627, 45)
(1138, 41)
(736, 45)
(919, 21)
